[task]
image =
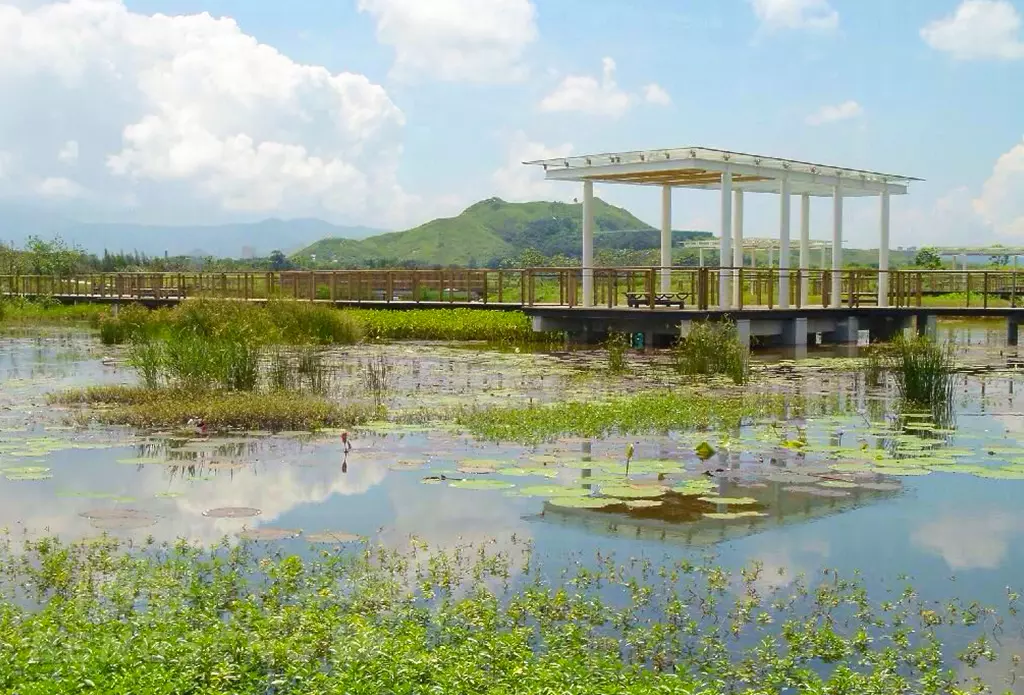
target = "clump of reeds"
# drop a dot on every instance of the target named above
(711, 348)
(617, 344)
(924, 370)
(376, 373)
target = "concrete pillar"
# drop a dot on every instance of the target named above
(725, 247)
(700, 256)
(737, 243)
(1011, 330)
(666, 238)
(794, 331)
(588, 243)
(784, 195)
(928, 325)
(805, 246)
(837, 243)
(743, 332)
(883, 252)
(847, 329)
(771, 257)
(824, 257)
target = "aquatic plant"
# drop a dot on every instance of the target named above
(924, 370)
(710, 348)
(313, 371)
(496, 326)
(147, 357)
(240, 619)
(617, 344)
(274, 410)
(376, 374)
(306, 322)
(649, 411)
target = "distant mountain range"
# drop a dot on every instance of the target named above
(225, 240)
(491, 230)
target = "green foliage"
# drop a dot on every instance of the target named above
(174, 618)
(923, 369)
(640, 413)
(376, 373)
(142, 407)
(928, 258)
(710, 348)
(617, 344)
(447, 324)
(306, 322)
(19, 309)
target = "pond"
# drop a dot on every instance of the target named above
(839, 482)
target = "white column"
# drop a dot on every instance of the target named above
(784, 243)
(824, 257)
(771, 257)
(725, 248)
(753, 257)
(837, 242)
(666, 238)
(737, 243)
(805, 246)
(700, 256)
(588, 243)
(883, 253)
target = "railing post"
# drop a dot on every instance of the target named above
(484, 279)
(1013, 290)
(649, 282)
(826, 287)
(501, 287)
(984, 289)
(739, 292)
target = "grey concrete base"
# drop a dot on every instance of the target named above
(743, 332)
(884, 329)
(794, 332)
(1011, 330)
(847, 330)
(928, 325)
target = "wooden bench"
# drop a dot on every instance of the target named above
(641, 299)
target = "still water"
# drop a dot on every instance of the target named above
(860, 494)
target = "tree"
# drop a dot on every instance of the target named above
(278, 261)
(52, 257)
(928, 258)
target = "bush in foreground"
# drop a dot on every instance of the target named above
(178, 619)
(141, 407)
(712, 348)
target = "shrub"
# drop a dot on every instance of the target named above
(923, 369)
(617, 344)
(713, 347)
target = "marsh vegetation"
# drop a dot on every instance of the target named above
(712, 348)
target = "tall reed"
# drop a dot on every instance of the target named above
(923, 369)
(710, 348)
(377, 379)
(617, 344)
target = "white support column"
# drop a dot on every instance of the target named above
(771, 257)
(725, 247)
(753, 257)
(883, 254)
(737, 243)
(784, 243)
(700, 256)
(666, 238)
(824, 257)
(588, 243)
(805, 246)
(837, 243)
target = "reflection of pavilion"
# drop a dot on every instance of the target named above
(681, 519)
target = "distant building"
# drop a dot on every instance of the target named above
(248, 252)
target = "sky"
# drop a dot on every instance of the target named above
(389, 113)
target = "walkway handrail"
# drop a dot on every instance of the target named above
(615, 287)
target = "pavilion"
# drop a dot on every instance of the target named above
(733, 174)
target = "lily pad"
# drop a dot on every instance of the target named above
(479, 466)
(332, 537)
(900, 472)
(583, 502)
(704, 451)
(632, 491)
(484, 484)
(232, 512)
(841, 484)
(24, 470)
(118, 519)
(528, 471)
(553, 491)
(816, 491)
(733, 515)
(269, 533)
(643, 504)
(729, 500)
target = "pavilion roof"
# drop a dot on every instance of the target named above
(702, 168)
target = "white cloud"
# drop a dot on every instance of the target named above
(517, 182)
(590, 95)
(815, 15)
(655, 94)
(188, 111)
(1001, 203)
(456, 40)
(839, 112)
(68, 152)
(978, 30)
(59, 187)
(970, 542)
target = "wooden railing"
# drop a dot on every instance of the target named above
(749, 288)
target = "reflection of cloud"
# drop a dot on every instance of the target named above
(966, 541)
(784, 561)
(1001, 675)
(274, 488)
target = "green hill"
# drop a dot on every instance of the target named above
(488, 232)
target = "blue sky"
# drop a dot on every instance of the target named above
(201, 120)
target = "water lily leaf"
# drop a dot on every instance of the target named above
(902, 471)
(232, 512)
(269, 533)
(553, 491)
(729, 500)
(15, 477)
(24, 470)
(632, 491)
(118, 519)
(851, 468)
(144, 460)
(1002, 474)
(733, 515)
(841, 484)
(479, 466)
(816, 491)
(583, 502)
(704, 451)
(962, 468)
(332, 537)
(881, 486)
(696, 487)
(525, 471)
(483, 484)
(643, 504)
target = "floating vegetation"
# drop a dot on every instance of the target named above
(268, 533)
(553, 491)
(481, 484)
(583, 502)
(478, 466)
(632, 491)
(695, 488)
(736, 501)
(332, 537)
(711, 348)
(643, 504)
(924, 371)
(733, 515)
(704, 451)
(118, 519)
(841, 484)
(816, 491)
(231, 512)
(529, 471)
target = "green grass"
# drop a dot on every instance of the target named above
(447, 324)
(99, 617)
(712, 348)
(137, 406)
(923, 369)
(637, 414)
(44, 311)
